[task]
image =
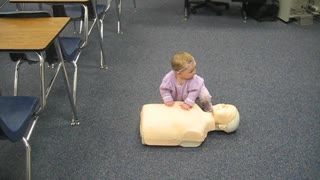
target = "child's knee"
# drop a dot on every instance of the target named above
(205, 98)
(207, 106)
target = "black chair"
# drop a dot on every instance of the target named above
(18, 118)
(244, 7)
(205, 3)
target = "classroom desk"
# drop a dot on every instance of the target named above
(35, 35)
(86, 23)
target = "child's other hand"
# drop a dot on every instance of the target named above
(169, 103)
(185, 106)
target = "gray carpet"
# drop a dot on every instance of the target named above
(269, 70)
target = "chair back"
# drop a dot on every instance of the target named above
(24, 14)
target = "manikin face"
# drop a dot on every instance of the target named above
(189, 72)
(224, 113)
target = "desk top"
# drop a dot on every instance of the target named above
(29, 34)
(48, 1)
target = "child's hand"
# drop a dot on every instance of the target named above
(185, 106)
(169, 103)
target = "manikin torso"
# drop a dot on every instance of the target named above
(172, 126)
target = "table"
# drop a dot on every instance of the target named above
(86, 33)
(19, 34)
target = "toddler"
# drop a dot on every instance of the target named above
(183, 84)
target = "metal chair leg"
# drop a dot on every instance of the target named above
(102, 62)
(102, 56)
(75, 80)
(101, 28)
(80, 26)
(16, 77)
(74, 120)
(42, 76)
(28, 158)
(119, 7)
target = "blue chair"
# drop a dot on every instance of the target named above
(71, 48)
(18, 117)
(76, 13)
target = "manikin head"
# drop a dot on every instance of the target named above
(226, 117)
(184, 65)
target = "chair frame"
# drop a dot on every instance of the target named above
(25, 140)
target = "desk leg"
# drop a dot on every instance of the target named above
(75, 120)
(102, 55)
(86, 25)
(99, 25)
(43, 82)
(16, 77)
(119, 9)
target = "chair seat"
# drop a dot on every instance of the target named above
(75, 12)
(15, 115)
(100, 9)
(70, 47)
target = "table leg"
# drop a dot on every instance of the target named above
(43, 82)
(86, 25)
(102, 55)
(119, 9)
(16, 77)
(75, 120)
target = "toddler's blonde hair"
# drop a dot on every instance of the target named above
(180, 60)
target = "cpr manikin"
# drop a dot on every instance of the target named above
(161, 125)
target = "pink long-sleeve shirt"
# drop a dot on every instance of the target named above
(171, 90)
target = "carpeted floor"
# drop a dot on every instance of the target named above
(269, 70)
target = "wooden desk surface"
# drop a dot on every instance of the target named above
(48, 1)
(33, 34)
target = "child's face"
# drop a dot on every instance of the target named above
(189, 72)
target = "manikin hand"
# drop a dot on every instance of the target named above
(185, 106)
(169, 103)
(222, 127)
